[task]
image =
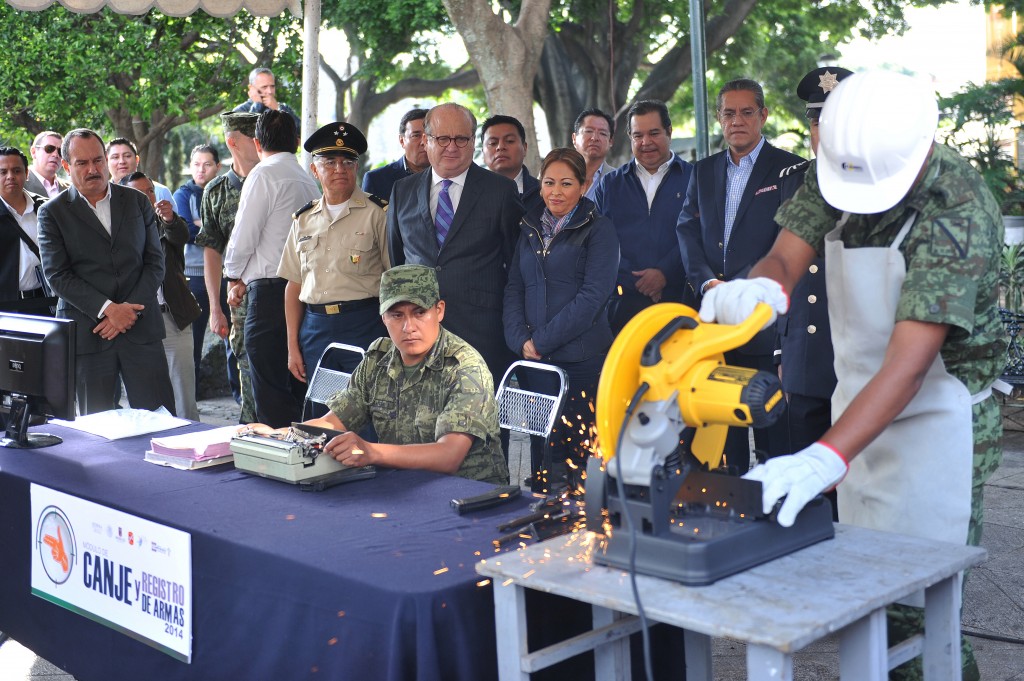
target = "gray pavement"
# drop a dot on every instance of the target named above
(993, 613)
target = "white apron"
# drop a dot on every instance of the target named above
(915, 478)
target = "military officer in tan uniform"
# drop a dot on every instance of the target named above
(334, 256)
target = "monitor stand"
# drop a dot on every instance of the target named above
(17, 435)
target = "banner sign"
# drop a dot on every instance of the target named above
(128, 573)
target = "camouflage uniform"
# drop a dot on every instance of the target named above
(449, 391)
(952, 258)
(220, 203)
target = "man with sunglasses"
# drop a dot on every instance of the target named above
(461, 220)
(334, 256)
(728, 223)
(42, 175)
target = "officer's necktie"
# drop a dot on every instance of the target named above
(445, 212)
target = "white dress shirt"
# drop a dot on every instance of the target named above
(454, 191)
(651, 181)
(28, 262)
(276, 188)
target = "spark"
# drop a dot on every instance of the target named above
(378, 515)
(441, 571)
(333, 640)
(483, 582)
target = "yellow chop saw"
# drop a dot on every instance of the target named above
(664, 404)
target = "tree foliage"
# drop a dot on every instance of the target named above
(134, 76)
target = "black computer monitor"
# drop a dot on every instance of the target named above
(37, 376)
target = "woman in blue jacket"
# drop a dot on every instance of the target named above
(561, 277)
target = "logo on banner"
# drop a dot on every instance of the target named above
(55, 542)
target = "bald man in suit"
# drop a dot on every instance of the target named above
(101, 254)
(472, 255)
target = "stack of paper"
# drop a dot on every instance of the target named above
(193, 450)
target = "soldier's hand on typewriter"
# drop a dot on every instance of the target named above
(799, 477)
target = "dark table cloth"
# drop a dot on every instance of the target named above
(286, 584)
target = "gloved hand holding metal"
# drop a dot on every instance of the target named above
(731, 302)
(799, 477)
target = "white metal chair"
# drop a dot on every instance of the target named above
(326, 383)
(528, 411)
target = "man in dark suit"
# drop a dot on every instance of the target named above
(504, 142)
(22, 288)
(727, 224)
(463, 221)
(380, 181)
(101, 254)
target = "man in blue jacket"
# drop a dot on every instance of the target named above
(643, 198)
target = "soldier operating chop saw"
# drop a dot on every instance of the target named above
(664, 404)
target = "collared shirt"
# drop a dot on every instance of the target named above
(519, 182)
(28, 262)
(337, 258)
(651, 181)
(275, 189)
(102, 210)
(52, 188)
(596, 180)
(736, 177)
(454, 191)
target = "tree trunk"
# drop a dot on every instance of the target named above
(506, 57)
(591, 62)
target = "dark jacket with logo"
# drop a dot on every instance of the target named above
(557, 296)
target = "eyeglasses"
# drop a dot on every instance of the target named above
(47, 148)
(335, 164)
(745, 114)
(591, 132)
(444, 140)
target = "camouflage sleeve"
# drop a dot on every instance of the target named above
(950, 256)
(211, 235)
(470, 407)
(807, 215)
(351, 405)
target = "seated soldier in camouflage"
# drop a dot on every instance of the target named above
(427, 392)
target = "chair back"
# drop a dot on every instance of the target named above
(527, 411)
(326, 383)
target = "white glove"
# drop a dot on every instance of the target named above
(731, 302)
(799, 477)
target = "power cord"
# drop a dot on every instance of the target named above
(620, 485)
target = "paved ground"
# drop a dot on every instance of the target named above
(994, 600)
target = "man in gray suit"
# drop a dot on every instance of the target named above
(101, 254)
(42, 176)
(463, 221)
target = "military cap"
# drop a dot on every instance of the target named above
(815, 86)
(415, 284)
(239, 121)
(336, 139)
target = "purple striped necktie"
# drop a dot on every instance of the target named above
(445, 212)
